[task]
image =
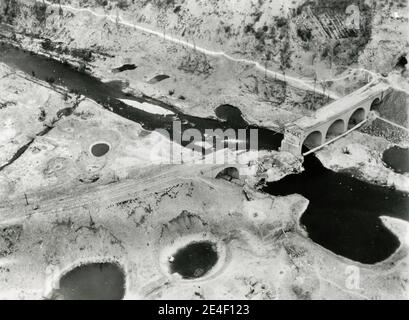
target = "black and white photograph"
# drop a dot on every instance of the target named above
(204, 155)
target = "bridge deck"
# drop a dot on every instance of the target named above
(338, 108)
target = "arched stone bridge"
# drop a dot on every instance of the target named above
(234, 171)
(334, 119)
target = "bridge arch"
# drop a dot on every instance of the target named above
(375, 104)
(358, 116)
(313, 140)
(335, 129)
(229, 174)
(334, 119)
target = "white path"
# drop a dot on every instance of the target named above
(393, 123)
(293, 81)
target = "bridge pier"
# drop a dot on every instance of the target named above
(293, 141)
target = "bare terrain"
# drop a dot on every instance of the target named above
(61, 206)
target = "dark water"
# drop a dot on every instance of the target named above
(95, 281)
(125, 67)
(232, 118)
(195, 260)
(99, 149)
(397, 158)
(343, 214)
(230, 114)
(158, 78)
(402, 62)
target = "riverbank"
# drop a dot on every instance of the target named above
(63, 156)
(267, 257)
(360, 155)
(197, 83)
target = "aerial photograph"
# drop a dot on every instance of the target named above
(196, 150)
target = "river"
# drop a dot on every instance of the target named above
(343, 214)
